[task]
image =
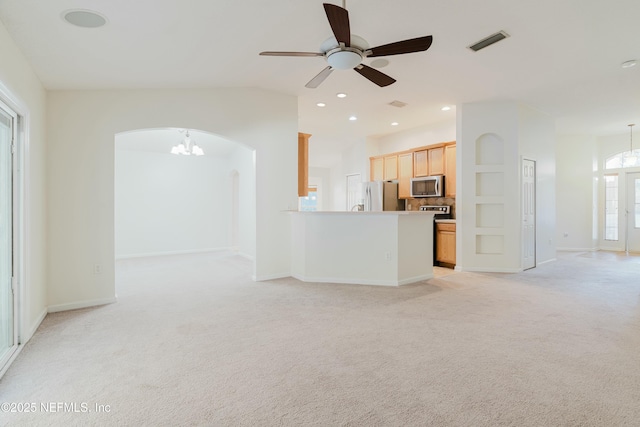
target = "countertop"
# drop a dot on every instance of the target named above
(446, 221)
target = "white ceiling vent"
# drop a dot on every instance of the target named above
(488, 41)
(398, 104)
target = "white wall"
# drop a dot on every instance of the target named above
(167, 204)
(340, 247)
(537, 141)
(576, 201)
(242, 161)
(80, 184)
(492, 139)
(444, 131)
(354, 160)
(21, 89)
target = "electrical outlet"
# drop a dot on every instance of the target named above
(566, 234)
(387, 256)
(97, 269)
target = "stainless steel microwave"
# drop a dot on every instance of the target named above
(427, 186)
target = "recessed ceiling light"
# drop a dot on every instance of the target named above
(353, 118)
(630, 63)
(321, 104)
(84, 18)
(446, 108)
(341, 95)
(394, 124)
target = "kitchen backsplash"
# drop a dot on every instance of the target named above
(414, 204)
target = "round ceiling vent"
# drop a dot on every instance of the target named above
(84, 18)
(379, 63)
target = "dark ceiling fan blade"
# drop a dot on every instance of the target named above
(339, 21)
(268, 53)
(406, 46)
(374, 75)
(315, 82)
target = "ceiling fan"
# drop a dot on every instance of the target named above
(347, 50)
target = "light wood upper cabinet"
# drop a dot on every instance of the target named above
(391, 167)
(303, 164)
(450, 171)
(377, 169)
(436, 161)
(405, 173)
(421, 163)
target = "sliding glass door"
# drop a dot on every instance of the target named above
(8, 330)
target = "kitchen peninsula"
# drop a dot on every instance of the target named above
(388, 248)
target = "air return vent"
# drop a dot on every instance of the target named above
(488, 41)
(398, 104)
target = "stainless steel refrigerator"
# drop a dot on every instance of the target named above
(381, 196)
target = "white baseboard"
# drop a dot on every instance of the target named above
(577, 249)
(10, 361)
(415, 279)
(80, 304)
(165, 253)
(546, 261)
(363, 281)
(489, 270)
(26, 337)
(264, 277)
(610, 249)
(247, 256)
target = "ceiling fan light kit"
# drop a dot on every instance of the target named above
(344, 59)
(347, 51)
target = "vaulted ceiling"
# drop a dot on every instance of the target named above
(562, 57)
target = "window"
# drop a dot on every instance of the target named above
(611, 207)
(309, 203)
(626, 159)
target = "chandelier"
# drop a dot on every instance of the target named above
(187, 147)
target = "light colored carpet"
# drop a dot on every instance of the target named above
(193, 341)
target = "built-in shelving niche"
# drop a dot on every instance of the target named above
(490, 203)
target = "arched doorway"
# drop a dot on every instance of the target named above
(168, 204)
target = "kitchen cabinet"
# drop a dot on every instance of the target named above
(405, 173)
(303, 164)
(450, 171)
(377, 169)
(421, 163)
(436, 161)
(391, 167)
(446, 243)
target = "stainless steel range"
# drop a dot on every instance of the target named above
(440, 212)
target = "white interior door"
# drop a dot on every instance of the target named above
(633, 212)
(528, 214)
(8, 315)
